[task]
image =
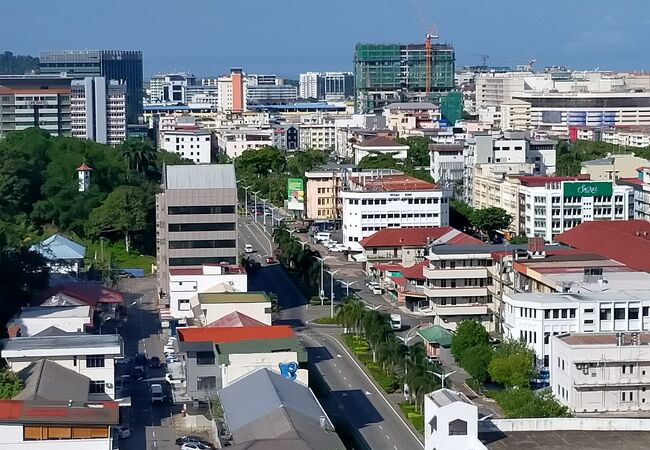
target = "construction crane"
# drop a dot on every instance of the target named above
(428, 50)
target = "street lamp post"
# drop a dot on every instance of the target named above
(264, 208)
(245, 188)
(255, 193)
(443, 376)
(347, 286)
(332, 272)
(321, 293)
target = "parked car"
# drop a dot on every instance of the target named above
(123, 431)
(248, 248)
(195, 446)
(172, 358)
(157, 395)
(124, 274)
(270, 260)
(375, 288)
(155, 362)
(191, 439)
(140, 360)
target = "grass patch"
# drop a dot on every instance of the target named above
(326, 320)
(118, 256)
(360, 347)
(414, 417)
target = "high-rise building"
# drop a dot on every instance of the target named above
(388, 73)
(196, 218)
(170, 87)
(326, 85)
(41, 101)
(98, 110)
(232, 92)
(124, 66)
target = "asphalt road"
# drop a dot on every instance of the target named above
(354, 396)
(150, 425)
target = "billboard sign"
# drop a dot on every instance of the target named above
(588, 189)
(295, 194)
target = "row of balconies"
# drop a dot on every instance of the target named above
(433, 273)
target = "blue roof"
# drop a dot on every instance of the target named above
(58, 247)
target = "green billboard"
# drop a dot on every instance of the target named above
(295, 194)
(588, 189)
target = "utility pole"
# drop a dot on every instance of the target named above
(332, 272)
(321, 292)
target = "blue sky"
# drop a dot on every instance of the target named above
(290, 36)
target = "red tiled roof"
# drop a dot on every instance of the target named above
(236, 319)
(400, 281)
(627, 241)
(84, 166)
(415, 272)
(416, 237)
(230, 269)
(85, 291)
(633, 180)
(393, 183)
(538, 181)
(221, 335)
(20, 411)
(380, 141)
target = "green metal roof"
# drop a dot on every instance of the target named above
(234, 297)
(436, 334)
(291, 344)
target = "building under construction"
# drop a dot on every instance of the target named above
(387, 73)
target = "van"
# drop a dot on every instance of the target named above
(322, 236)
(396, 322)
(157, 395)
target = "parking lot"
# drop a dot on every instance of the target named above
(574, 440)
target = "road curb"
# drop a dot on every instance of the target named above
(379, 390)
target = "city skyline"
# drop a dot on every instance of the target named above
(287, 40)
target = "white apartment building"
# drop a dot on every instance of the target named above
(456, 287)
(515, 115)
(326, 85)
(98, 110)
(407, 116)
(318, 136)
(170, 87)
(185, 283)
(603, 373)
(233, 142)
(641, 186)
(535, 318)
(372, 202)
(551, 205)
(202, 96)
(88, 354)
(193, 144)
(447, 163)
(346, 129)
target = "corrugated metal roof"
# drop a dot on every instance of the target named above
(284, 409)
(48, 381)
(204, 176)
(233, 297)
(59, 247)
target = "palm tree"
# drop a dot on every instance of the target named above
(138, 155)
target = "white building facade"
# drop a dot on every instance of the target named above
(557, 206)
(450, 422)
(195, 145)
(98, 110)
(536, 318)
(371, 203)
(185, 283)
(603, 373)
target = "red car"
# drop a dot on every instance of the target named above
(270, 260)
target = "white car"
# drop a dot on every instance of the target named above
(194, 446)
(248, 248)
(169, 350)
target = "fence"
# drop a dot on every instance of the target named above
(564, 424)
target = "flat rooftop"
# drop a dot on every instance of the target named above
(56, 344)
(384, 183)
(233, 297)
(562, 440)
(557, 298)
(54, 312)
(205, 176)
(602, 339)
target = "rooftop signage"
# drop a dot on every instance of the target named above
(588, 189)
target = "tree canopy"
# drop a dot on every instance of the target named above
(418, 152)
(512, 364)
(11, 64)
(570, 155)
(489, 220)
(10, 384)
(469, 333)
(525, 403)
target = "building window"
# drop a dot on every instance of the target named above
(633, 313)
(457, 427)
(204, 358)
(206, 383)
(619, 313)
(97, 387)
(184, 304)
(95, 361)
(433, 424)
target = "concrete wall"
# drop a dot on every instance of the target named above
(256, 311)
(564, 424)
(243, 364)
